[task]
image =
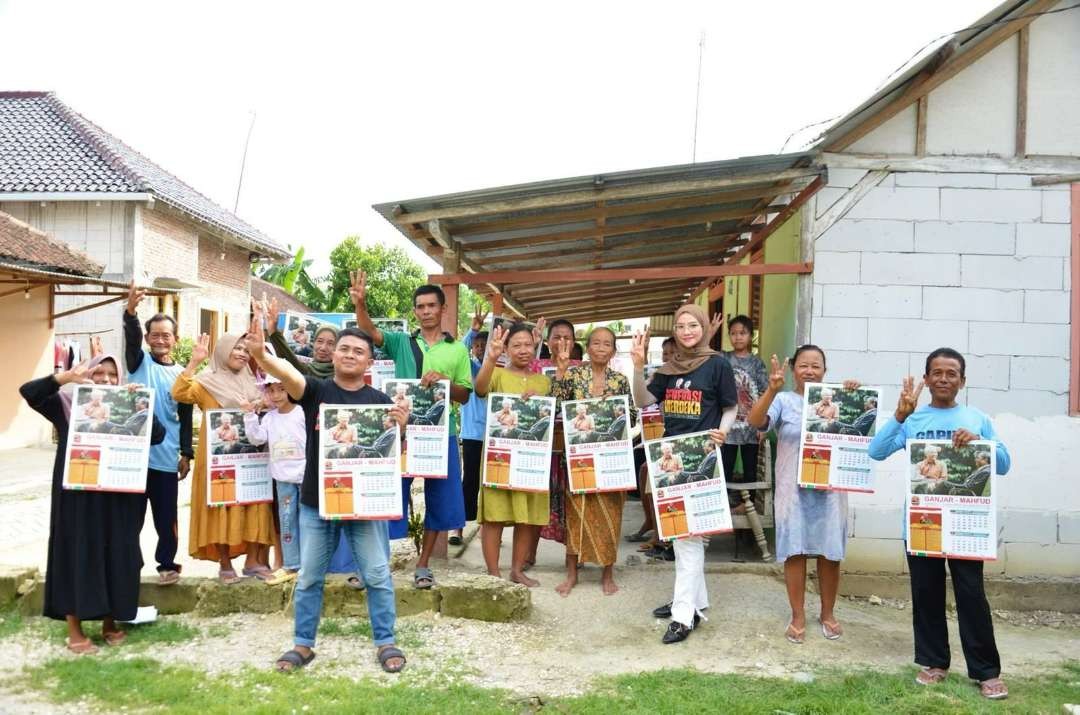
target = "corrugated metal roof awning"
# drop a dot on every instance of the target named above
(699, 214)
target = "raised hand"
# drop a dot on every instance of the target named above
(716, 323)
(200, 351)
(495, 344)
(96, 348)
(478, 319)
(134, 297)
(639, 348)
(256, 336)
(560, 353)
(78, 374)
(273, 310)
(538, 330)
(358, 289)
(776, 374)
(909, 397)
(251, 407)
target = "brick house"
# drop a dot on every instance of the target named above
(66, 176)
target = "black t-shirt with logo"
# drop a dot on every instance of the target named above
(693, 402)
(318, 392)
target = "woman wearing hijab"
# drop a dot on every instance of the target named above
(94, 556)
(322, 347)
(593, 521)
(223, 532)
(696, 392)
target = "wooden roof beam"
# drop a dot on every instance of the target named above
(622, 292)
(720, 241)
(620, 210)
(621, 274)
(614, 193)
(622, 288)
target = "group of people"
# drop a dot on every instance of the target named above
(732, 396)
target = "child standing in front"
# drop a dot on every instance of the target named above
(283, 428)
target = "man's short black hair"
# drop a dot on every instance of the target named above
(946, 353)
(357, 333)
(667, 341)
(429, 289)
(482, 335)
(743, 320)
(158, 317)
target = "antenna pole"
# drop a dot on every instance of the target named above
(697, 97)
(243, 163)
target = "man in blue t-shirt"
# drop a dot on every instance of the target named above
(944, 418)
(170, 460)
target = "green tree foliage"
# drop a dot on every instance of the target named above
(391, 279)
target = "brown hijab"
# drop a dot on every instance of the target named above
(689, 359)
(229, 388)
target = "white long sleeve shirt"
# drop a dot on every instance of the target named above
(287, 437)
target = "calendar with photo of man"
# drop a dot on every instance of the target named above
(238, 471)
(517, 453)
(427, 431)
(838, 424)
(689, 490)
(360, 465)
(108, 445)
(951, 500)
(599, 453)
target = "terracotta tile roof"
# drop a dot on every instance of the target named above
(22, 244)
(286, 301)
(45, 146)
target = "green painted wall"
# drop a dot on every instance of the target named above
(778, 321)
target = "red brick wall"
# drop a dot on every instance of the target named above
(233, 270)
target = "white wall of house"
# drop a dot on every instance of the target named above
(959, 249)
(974, 262)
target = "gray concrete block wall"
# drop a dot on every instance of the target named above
(979, 262)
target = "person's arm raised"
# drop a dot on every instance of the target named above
(358, 294)
(638, 388)
(291, 379)
(759, 413)
(133, 336)
(495, 348)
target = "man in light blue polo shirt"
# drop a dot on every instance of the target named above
(170, 460)
(430, 355)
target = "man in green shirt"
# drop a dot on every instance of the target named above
(430, 355)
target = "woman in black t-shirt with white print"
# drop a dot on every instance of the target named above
(696, 391)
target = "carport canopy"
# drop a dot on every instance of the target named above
(620, 245)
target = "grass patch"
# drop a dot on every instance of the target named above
(141, 682)
(11, 622)
(677, 691)
(162, 631)
(345, 627)
(145, 683)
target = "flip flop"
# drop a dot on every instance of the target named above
(637, 538)
(795, 635)
(294, 659)
(114, 638)
(993, 689)
(386, 653)
(280, 576)
(168, 578)
(85, 648)
(260, 572)
(832, 630)
(228, 577)
(423, 578)
(455, 540)
(931, 676)
(355, 583)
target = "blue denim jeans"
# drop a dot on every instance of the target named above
(370, 546)
(289, 518)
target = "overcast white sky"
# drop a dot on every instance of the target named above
(360, 103)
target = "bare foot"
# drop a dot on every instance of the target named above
(495, 572)
(564, 588)
(608, 585)
(518, 577)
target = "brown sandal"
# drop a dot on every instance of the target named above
(931, 676)
(993, 689)
(114, 638)
(87, 647)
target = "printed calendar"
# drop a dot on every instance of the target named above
(108, 444)
(689, 489)
(838, 425)
(597, 445)
(517, 447)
